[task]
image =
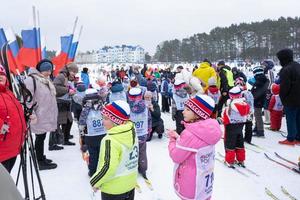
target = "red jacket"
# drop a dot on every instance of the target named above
(11, 112)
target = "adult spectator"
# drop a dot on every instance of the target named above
(259, 91)
(290, 94)
(226, 83)
(44, 95)
(205, 72)
(143, 71)
(238, 74)
(12, 124)
(63, 94)
(85, 78)
(157, 122)
(182, 74)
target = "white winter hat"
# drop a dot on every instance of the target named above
(235, 92)
(212, 81)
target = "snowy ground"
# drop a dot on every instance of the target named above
(71, 182)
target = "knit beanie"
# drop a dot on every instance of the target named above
(275, 88)
(72, 67)
(212, 81)
(80, 87)
(135, 94)
(235, 92)
(117, 111)
(202, 105)
(258, 70)
(179, 84)
(44, 65)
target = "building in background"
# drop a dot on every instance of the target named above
(121, 54)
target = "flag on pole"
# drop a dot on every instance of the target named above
(30, 53)
(62, 59)
(44, 49)
(3, 39)
(13, 52)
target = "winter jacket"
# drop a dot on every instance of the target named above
(224, 82)
(259, 90)
(195, 136)
(290, 85)
(236, 112)
(46, 106)
(8, 188)
(238, 74)
(85, 79)
(62, 89)
(114, 176)
(275, 103)
(156, 114)
(205, 72)
(11, 113)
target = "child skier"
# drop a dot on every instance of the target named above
(180, 96)
(117, 92)
(91, 128)
(275, 108)
(116, 174)
(141, 117)
(234, 117)
(193, 151)
(214, 92)
(250, 101)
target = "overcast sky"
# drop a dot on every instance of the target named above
(147, 23)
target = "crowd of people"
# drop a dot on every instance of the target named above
(117, 118)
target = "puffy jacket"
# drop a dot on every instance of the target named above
(85, 79)
(225, 84)
(118, 139)
(11, 112)
(46, 108)
(204, 72)
(195, 135)
(290, 85)
(259, 90)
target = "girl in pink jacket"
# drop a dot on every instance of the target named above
(193, 151)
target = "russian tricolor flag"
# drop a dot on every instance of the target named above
(30, 53)
(3, 39)
(13, 53)
(62, 59)
(73, 49)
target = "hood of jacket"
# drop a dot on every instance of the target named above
(207, 130)
(124, 134)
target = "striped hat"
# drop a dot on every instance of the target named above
(117, 111)
(202, 105)
(179, 84)
(235, 92)
(258, 70)
(135, 94)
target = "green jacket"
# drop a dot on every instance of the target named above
(118, 161)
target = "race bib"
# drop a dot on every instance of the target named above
(95, 123)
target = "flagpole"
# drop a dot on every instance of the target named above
(36, 32)
(39, 35)
(69, 48)
(80, 31)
